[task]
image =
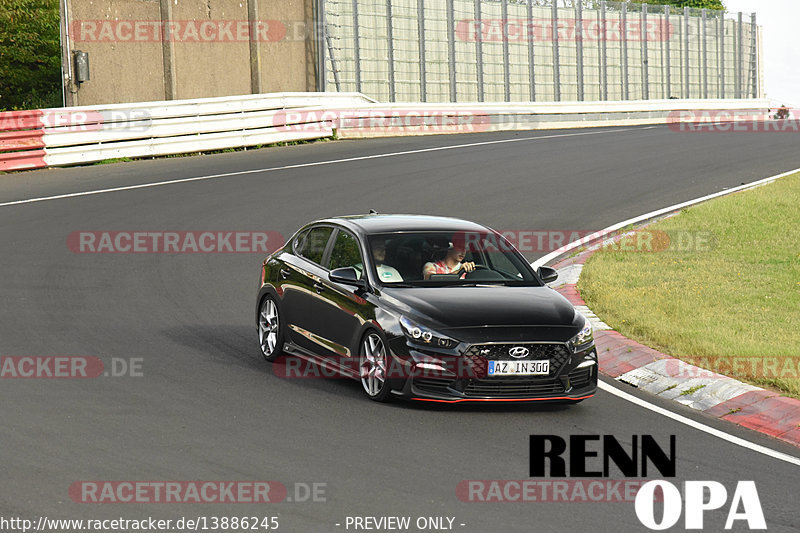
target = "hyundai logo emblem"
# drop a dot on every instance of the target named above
(518, 351)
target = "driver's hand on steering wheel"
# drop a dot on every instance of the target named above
(467, 267)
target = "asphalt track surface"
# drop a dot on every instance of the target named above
(207, 407)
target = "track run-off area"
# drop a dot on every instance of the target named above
(201, 404)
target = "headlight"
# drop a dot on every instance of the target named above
(425, 336)
(586, 335)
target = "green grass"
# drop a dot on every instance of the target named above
(114, 160)
(692, 390)
(737, 297)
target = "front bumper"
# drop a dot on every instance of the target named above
(573, 377)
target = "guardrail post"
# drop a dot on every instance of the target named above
(531, 52)
(479, 49)
(556, 65)
(506, 62)
(739, 54)
(451, 49)
(390, 50)
(356, 46)
(603, 52)
(579, 46)
(645, 54)
(423, 81)
(686, 62)
(705, 54)
(624, 48)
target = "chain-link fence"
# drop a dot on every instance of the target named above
(507, 50)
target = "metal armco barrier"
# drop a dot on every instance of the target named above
(386, 120)
(69, 136)
(21, 144)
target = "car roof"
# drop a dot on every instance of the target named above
(381, 223)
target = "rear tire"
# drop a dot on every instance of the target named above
(270, 330)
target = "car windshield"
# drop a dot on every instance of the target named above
(442, 258)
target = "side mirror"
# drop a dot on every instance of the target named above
(346, 276)
(547, 274)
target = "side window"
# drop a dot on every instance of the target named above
(345, 252)
(500, 261)
(311, 244)
(300, 243)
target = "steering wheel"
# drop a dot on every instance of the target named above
(477, 267)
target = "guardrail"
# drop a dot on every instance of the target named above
(376, 120)
(68, 136)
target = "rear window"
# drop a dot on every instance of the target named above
(311, 243)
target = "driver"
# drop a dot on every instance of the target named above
(452, 263)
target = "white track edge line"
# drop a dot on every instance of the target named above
(699, 426)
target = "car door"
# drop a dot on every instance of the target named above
(300, 284)
(340, 310)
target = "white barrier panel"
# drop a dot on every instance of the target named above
(378, 120)
(88, 134)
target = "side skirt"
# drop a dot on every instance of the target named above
(292, 349)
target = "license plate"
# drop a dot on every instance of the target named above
(519, 368)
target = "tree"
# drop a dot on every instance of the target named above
(698, 4)
(30, 54)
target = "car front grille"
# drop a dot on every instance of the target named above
(507, 387)
(479, 354)
(513, 388)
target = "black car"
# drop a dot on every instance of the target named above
(426, 308)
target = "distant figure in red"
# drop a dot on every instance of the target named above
(783, 113)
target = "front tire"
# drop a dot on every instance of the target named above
(373, 364)
(270, 332)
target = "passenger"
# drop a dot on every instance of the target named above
(386, 273)
(452, 262)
